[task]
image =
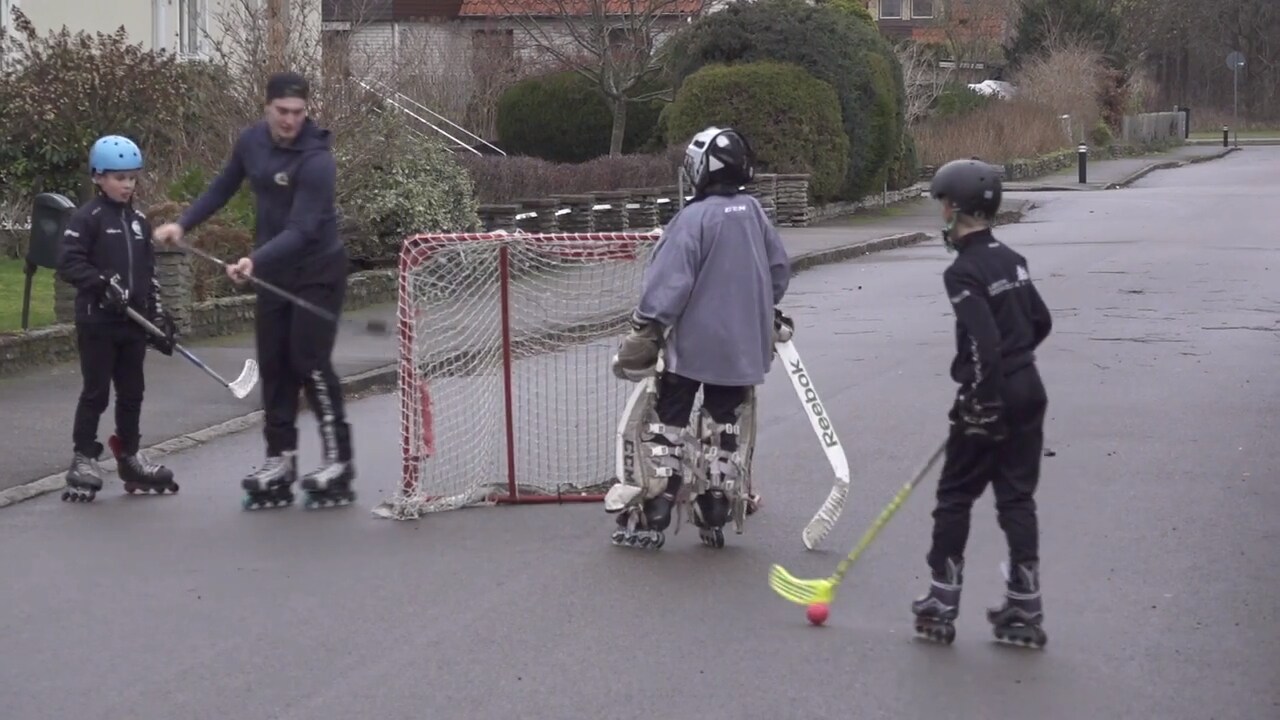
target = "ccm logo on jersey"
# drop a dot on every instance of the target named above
(735, 209)
(815, 407)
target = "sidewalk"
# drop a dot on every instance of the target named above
(1119, 172)
(183, 407)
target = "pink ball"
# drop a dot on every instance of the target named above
(817, 613)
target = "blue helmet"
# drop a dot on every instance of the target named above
(114, 153)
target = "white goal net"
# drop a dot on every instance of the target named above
(505, 388)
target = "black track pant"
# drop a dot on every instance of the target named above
(676, 395)
(295, 349)
(110, 353)
(1012, 468)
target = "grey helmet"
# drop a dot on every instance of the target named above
(718, 155)
(972, 186)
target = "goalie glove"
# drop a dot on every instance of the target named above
(978, 420)
(784, 328)
(638, 352)
(113, 297)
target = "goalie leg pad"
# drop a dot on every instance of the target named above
(727, 439)
(652, 453)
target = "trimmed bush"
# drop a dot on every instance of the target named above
(563, 117)
(856, 8)
(791, 118)
(504, 179)
(832, 45)
(906, 165)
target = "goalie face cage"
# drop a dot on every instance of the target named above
(504, 382)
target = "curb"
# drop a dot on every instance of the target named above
(1031, 187)
(1168, 165)
(384, 378)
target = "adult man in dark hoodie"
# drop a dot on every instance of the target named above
(291, 169)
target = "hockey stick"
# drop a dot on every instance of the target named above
(373, 327)
(829, 513)
(823, 591)
(239, 387)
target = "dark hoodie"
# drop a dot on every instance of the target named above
(293, 186)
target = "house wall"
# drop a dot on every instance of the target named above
(456, 67)
(155, 23)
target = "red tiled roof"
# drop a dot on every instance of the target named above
(552, 8)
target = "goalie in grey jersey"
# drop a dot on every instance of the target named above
(708, 306)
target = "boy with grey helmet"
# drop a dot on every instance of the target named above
(997, 419)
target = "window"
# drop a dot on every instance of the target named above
(891, 9)
(921, 8)
(191, 26)
(6, 8)
(489, 46)
(6, 22)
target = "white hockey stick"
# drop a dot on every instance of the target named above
(829, 513)
(240, 387)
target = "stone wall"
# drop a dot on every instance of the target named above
(1061, 160)
(209, 318)
(786, 199)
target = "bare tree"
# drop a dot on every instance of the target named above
(973, 31)
(616, 44)
(923, 79)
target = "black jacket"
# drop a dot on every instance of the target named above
(105, 238)
(294, 188)
(1000, 317)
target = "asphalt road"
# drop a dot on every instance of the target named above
(1158, 515)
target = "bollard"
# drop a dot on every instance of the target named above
(1082, 156)
(1226, 136)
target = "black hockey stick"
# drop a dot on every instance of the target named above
(373, 327)
(240, 387)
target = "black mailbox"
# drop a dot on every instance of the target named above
(50, 213)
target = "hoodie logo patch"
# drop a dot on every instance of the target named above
(137, 228)
(282, 179)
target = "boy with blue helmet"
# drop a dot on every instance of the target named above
(108, 257)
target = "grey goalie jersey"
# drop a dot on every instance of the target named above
(714, 280)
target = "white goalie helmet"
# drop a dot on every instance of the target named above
(718, 155)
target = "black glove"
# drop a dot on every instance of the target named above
(983, 421)
(784, 328)
(164, 322)
(113, 297)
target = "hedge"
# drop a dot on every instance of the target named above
(832, 45)
(791, 118)
(563, 117)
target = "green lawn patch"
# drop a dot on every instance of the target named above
(12, 282)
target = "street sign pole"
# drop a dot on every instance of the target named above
(1235, 61)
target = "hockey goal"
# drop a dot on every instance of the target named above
(504, 384)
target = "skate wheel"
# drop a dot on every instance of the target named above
(130, 488)
(944, 634)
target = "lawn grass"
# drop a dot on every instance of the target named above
(12, 282)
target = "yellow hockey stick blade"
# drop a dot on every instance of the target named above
(799, 591)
